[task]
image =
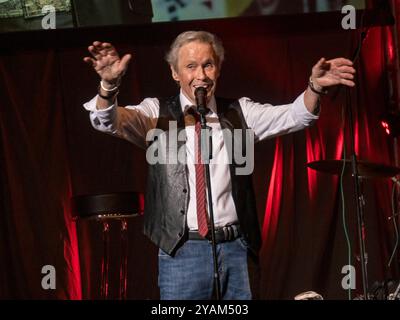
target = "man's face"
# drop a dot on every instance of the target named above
(197, 66)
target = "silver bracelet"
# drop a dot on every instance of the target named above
(110, 97)
(108, 90)
(311, 85)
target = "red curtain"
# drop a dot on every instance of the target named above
(36, 227)
(49, 152)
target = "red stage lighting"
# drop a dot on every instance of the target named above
(391, 124)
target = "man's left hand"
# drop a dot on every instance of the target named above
(327, 73)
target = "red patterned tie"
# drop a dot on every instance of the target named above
(202, 217)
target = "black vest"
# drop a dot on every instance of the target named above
(167, 194)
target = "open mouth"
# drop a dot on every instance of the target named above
(205, 86)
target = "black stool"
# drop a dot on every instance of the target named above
(104, 208)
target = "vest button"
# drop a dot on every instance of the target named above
(180, 234)
(184, 190)
(182, 211)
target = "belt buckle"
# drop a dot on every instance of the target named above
(225, 233)
(229, 232)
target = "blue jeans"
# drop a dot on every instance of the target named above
(189, 274)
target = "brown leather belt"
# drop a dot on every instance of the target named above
(222, 234)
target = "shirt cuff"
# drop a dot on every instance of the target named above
(91, 105)
(301, 110)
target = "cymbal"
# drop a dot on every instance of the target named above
(365, 169)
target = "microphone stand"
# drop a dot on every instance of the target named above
(204, 128)
(356, 181)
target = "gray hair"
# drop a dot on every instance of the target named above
(190, 36)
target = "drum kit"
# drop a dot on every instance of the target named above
(365, 170)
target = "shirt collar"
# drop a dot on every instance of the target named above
(186, 103)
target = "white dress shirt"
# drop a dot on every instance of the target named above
(133, 122)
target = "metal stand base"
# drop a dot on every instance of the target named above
(105, 263)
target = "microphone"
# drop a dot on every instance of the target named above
(201, 100)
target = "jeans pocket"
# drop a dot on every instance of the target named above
(243, 243)
(162, 253)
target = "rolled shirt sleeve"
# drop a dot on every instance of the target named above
(131, 122)
(268, 121)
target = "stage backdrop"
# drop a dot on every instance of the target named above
(49, 152)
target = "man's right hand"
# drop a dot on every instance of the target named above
(107, 63)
